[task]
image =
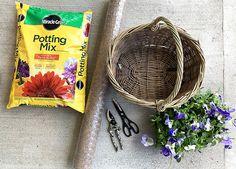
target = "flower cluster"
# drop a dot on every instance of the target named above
(199, 123)
(70, 68)
(22, 71)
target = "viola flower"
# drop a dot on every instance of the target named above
(22, 71)
(179, 115)
(225, 114)
(213, 106)
(180, 141)
(168, 122)
(70, 68)
(47, 85)
(195, 126)
(172, 140)
(205, 107)
(227, 142)
(166, 151)
(211, 112)
(172, 132)
(208, 125)
(147, 141)
(201, 126)
(178, 156)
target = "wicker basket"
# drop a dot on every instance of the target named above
(156, 65)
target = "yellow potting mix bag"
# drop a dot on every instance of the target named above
(51, 58)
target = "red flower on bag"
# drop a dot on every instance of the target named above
(47, 85)
(86, 31)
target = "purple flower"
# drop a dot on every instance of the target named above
(227, 142)
(205, 107)
(180, 141)
(213, 109)
(22, 69)
(172, 140)
(178, 156)
(201, 126)
(168, 122)
(225, 114)
(225, 129)
(179, 115)
(193, 127)
(166, 151)
(70, 69)
(208, 125)
(231, 110)
(213, 106)
(220, 97)
(146, 141)
(172, 132)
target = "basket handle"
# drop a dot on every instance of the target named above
(155, 25)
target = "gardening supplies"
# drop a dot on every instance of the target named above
(95, 103)
(127, 124)
(114, 130)
(156, 65)
(50, 58)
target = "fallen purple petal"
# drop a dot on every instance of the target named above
(227, 142)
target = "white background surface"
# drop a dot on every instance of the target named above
(44, 138)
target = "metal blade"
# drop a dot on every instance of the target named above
(117, 106)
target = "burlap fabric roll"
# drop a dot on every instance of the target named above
(95, 104)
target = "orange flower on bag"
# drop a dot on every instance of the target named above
(47, 85)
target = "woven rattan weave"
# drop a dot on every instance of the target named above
(156, 65)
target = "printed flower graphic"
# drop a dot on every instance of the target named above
(69, 73)
(47, 85)
(22, 71)
(86, 31)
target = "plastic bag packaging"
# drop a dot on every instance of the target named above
(50, 58)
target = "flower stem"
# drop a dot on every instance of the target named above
(21, 79)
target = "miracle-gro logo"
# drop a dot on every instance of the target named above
(51, 22)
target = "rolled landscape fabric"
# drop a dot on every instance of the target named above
(91, 123)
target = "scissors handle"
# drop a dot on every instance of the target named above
(134, 127)
(128, 127)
